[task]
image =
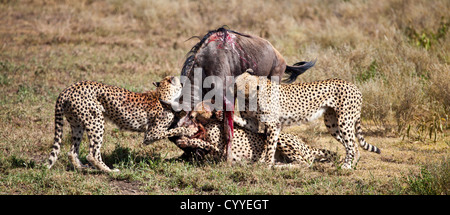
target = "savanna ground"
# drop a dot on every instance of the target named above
(396, 51)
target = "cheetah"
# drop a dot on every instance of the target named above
(246, 145)
(282, 105)
(86, 104)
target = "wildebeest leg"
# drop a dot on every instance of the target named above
(228, 105)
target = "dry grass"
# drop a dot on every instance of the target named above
(395, 51)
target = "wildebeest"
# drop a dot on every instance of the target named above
(225, 52)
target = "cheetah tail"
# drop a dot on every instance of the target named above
(59, 121)
(362, 142)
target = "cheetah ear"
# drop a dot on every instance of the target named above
(156, 84)
(171, 79)
(250, 71)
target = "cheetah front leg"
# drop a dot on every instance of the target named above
(153, 135)
(185, 142)
(273, 133)
(158, 129)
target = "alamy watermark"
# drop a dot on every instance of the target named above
(215, 88)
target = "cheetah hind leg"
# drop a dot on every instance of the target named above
(77, 135)
(331, 123)
(347, 130)
(347, 140)
(95, 135)
(323, 155)
(294, 154)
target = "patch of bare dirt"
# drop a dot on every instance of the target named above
(126, 187)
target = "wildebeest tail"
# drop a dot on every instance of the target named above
(297, 69)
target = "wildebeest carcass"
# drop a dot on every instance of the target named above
(225, 52)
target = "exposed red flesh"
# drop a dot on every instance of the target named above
(229, 130)
(201, 133)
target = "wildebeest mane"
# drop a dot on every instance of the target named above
(189, 62)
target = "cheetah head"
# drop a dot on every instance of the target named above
(169, 89)
(247, 83)
(202, 114)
